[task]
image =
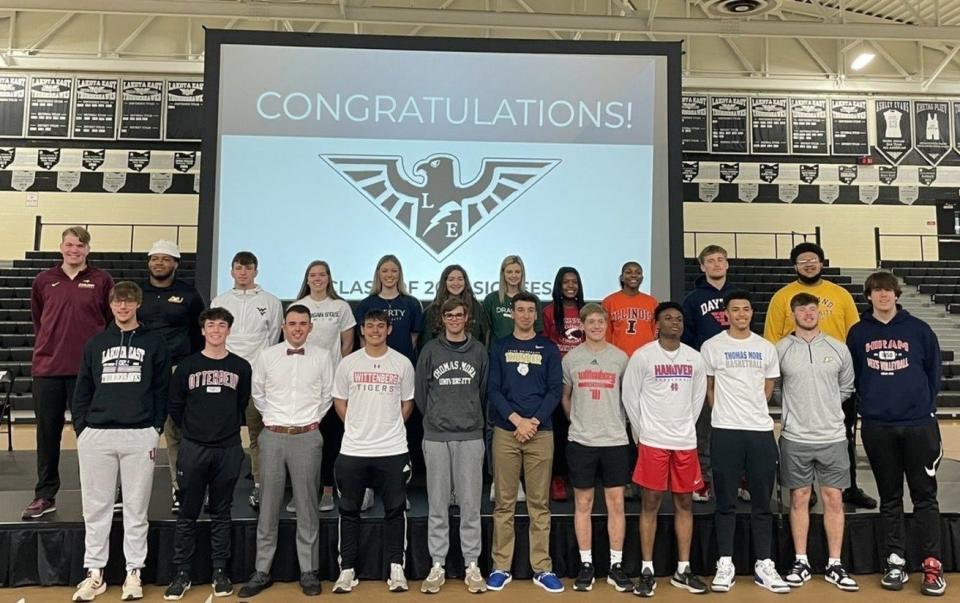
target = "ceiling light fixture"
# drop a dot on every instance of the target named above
(862, 60)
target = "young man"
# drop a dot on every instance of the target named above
(703, 317)
(896, 358)
(741, 370)
(663, 391)
(69, 304)
(838, 313)
(373, 394)
(171, 307)
(631, 324)
(451, 393)
(291, 389)
(208, 399)
(525, 386)
(258, 316)
(597, 446)
(817, 375)
(119, 409)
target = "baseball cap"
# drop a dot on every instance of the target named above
(164, 247)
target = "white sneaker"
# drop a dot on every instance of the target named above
(367, 503)
(521, 495)
(91, 586)
(398, 581)
(743, 494)
(493, 493)
(725, 577)
(474, 579)
(434, 581)
(132, 588)
(345, 581)
(766, 576)
(291, 507)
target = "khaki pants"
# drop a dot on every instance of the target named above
(535, 458)
(254, 427)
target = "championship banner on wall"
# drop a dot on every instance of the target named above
(893, 126)
(931, 130)
(768, 117)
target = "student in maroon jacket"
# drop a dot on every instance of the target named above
(69, 303)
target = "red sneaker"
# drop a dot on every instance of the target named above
(933, 582)
(558, 489)
(39, 507)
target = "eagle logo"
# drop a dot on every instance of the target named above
(432, 205)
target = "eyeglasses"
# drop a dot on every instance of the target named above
(454, 315)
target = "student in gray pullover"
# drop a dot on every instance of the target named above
(451, 386)
(817, 373)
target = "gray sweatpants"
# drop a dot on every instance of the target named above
(300, 455)
(103, 453)
(462, 464)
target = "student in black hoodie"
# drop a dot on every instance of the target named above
(171, 307)
(208, 399)
(119, 408)
(896, 358)
(703, 317)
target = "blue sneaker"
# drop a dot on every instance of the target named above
(498, 579)
(548, 581)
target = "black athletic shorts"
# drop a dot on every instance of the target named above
(609, 464)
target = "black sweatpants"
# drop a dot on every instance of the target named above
(733, 454)
(388, 476)
(331, 428)
(850, 426)
(561, 430)
(52, 396)
(914, 452)
(202, 469)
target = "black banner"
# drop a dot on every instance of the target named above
(956, 125)
(141, 105)
(49, 113)
(728, 122)
(138, 160)
(6, 157)
(893, 128)
(809, 172)
(95, 110)
(931, 129)
(808, 123)
(184, 110)
(847, 173)
(729, 171)
(848, 119)
(93, 159)
(48, 158)
(13, 102)
(887, 174)
(927, 176)
(183, 162)
(693, 128)
(769, 172)
(768, 119)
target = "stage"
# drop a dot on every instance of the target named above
(50, 551)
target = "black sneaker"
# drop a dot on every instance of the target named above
(222, 586)
(858, 498)
(933, 583)
(799, 574)
(179, 586)
(688, 582)
(175, 505)
(585, 577)
(257, 583)
(646, 585)
(895, 576)
(839, 577)
(310, 584)
(618, 579)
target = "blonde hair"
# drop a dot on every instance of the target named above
(511, 259)
(377, 285)
(78, 231)
(593, 308)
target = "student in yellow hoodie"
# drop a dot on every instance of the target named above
(838, 313)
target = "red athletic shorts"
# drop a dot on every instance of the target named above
(677, 471)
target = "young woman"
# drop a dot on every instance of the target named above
(333, 325)
(562, 326)
(496, 306)
(454, 283)
(389, 293)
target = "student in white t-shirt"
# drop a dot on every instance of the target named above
(373, 394)
(333, 324)
(741, 370)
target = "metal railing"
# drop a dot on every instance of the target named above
(795, 237)
(878, 237)
(39, 225)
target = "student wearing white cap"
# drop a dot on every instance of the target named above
(171, 307)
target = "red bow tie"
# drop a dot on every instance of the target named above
(292, 352)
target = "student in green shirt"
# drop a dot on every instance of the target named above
(496, 306)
